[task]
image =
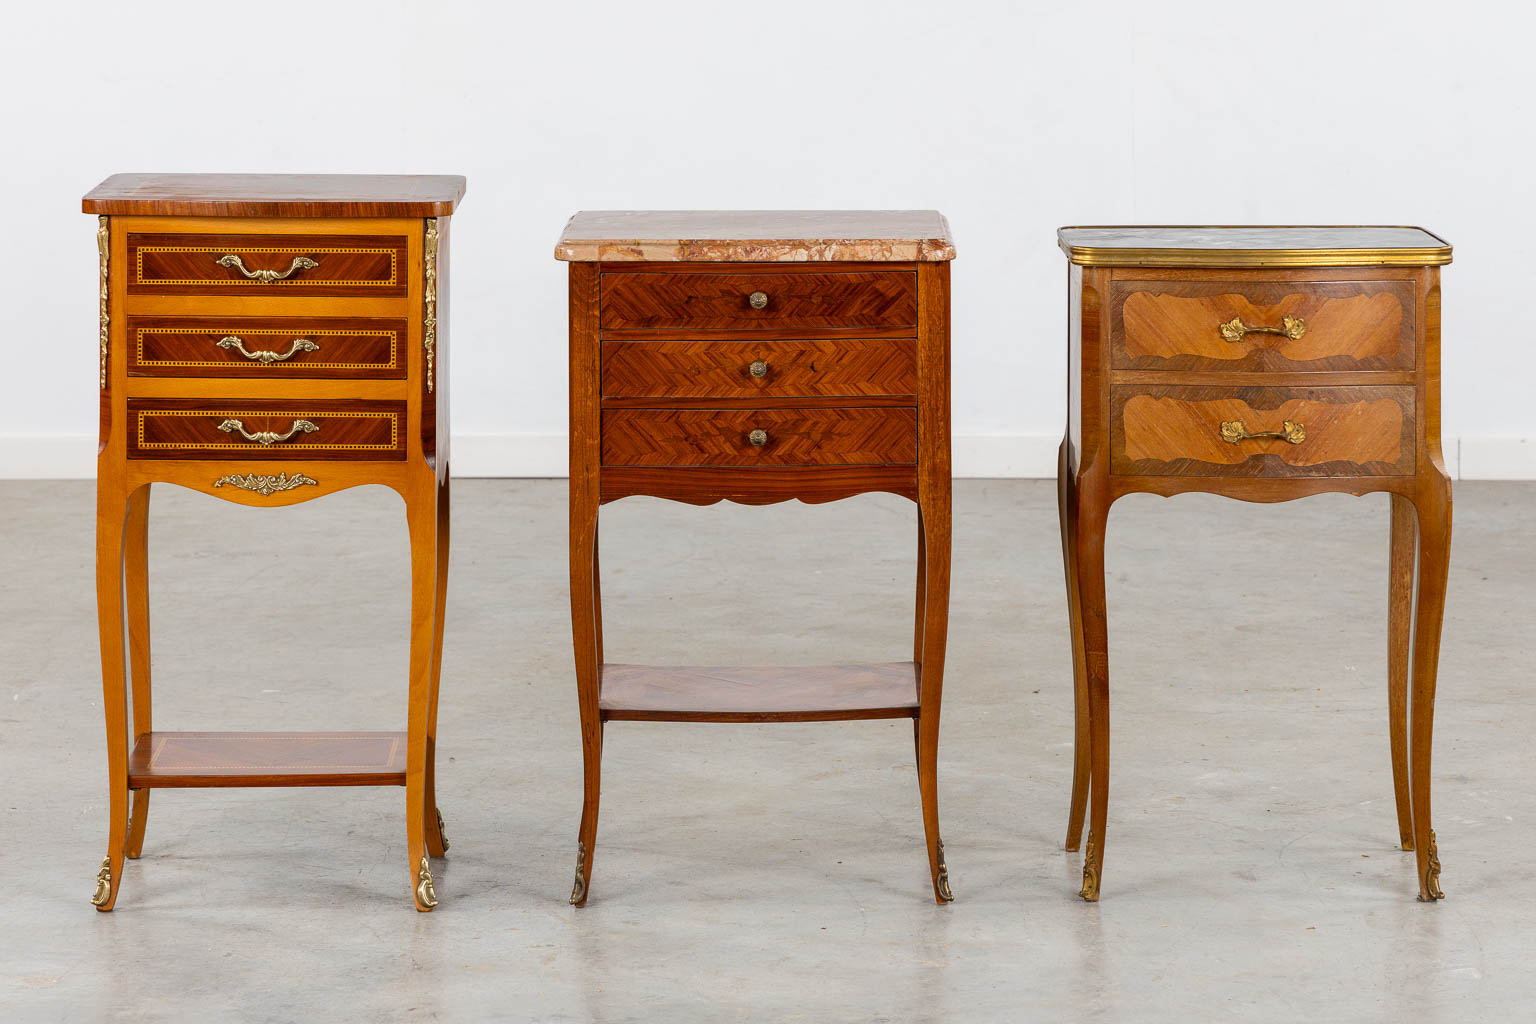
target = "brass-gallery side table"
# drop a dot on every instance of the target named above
(1264, 364)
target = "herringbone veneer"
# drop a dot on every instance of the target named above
(723, 369)
(795, 437)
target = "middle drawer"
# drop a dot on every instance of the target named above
(748, 369)
(759, 437)
(256, 347)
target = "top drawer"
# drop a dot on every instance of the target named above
(1254, 323)
(188, 264)
(759, 300)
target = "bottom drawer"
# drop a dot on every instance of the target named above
(760, 437)
(1262, 431)
(240, 429)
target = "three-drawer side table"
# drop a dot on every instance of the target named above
(269, 339)
(759, 357)
(1264, 364)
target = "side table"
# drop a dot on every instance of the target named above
(1264, 364)
(758, 357)
(269, 339)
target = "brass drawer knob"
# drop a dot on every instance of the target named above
(758, 300)
(267, 276)
(758, 438)
(1233, 431)
(1293, 327)
(267, 438)
(758, 369)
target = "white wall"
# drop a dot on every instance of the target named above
(1012, 118)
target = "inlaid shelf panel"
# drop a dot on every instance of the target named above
(163, 759)
(794, 693)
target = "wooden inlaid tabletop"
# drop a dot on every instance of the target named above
(276, 195)
(757, 236)
(1246, 246)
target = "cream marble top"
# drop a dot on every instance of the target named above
(757, 236)
(1240, 246)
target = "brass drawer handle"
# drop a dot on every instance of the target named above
(758, 369)
(757, 300)
(267, 276)
(1233, 431)
(267, 437)
(758, 438)
(265, 356)
(1292, 327)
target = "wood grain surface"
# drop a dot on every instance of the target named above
(1177, 431)
(808, 693)
(1349, 325)
(360, 348)
(758, 485)
(715, 369)
(795, 437)
(189, 429)
(188, 264)
(847, 300)
(276, 195)
(187, 759)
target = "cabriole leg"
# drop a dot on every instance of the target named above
(111, 525)
(437, 841)
(136, 592)
(421, 516)
(1433, 504)
(1066, 501)
(1399, 655)
(922, 592)
(584, 617)
(934, 513)
(1092, 515)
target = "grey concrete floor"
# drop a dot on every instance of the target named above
(776, 872)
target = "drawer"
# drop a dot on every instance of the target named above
(235, 428)
(784, 437)
(753, 300)
(1204, 431)
(1259, 323)
(257, 347)
(745, 369)
(188, 264)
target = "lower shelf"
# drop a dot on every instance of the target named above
(190, 759)
(801, 693)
